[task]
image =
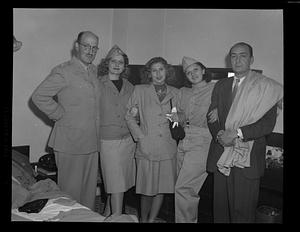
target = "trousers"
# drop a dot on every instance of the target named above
(191, 173)
(77, 176)
(235, 197)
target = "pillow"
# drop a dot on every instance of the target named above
(23, 161)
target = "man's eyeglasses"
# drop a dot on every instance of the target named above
(88, 48)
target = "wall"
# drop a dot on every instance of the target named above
(47, 37)
(205, 34)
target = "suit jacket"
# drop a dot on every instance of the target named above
(75, 112)
(221, 99)
(153, 134)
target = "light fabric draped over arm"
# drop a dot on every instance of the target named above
(255, 97)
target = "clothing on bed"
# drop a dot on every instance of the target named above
(22, 170)
(60, 206)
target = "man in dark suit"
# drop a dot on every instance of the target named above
(236, 194)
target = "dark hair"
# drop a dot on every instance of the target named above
(207, 76)
(103, 67)
(242, 44)
(146, 77)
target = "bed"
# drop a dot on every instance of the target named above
(59, 207)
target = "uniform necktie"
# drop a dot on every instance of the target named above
(235, 88)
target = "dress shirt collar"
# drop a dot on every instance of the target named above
(241, 80)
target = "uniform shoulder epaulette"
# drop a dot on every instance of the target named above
(59, 68)
(64, 64)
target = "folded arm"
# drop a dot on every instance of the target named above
(262, 127)
(130, 116)
(213, 125)
(42, 97)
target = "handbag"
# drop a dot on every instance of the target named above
(177, 132)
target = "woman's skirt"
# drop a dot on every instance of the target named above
(118, 164)
(155, 177)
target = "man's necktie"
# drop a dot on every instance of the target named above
(235, 88)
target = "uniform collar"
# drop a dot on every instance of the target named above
(82, 65)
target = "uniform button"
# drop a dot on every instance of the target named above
(160, 135)
(118, 116)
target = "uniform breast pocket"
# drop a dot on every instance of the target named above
(71, 96)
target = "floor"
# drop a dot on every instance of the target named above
(131, 206)
(165, 215)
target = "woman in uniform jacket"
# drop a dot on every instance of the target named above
(193, 149)
(156, 150)
(116, 144)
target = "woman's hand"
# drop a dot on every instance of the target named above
(134, 111)
(173, 116)
(213, 116)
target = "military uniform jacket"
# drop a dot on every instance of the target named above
(75, 112)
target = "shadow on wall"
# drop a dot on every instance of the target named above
(227, 61)
(42, 117)
(73, 50)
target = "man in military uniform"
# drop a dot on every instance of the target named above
(74, 137)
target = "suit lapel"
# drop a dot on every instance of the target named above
(227, 96)
(153, 94)
(168, 96)
(125, 87)
(108, 83)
